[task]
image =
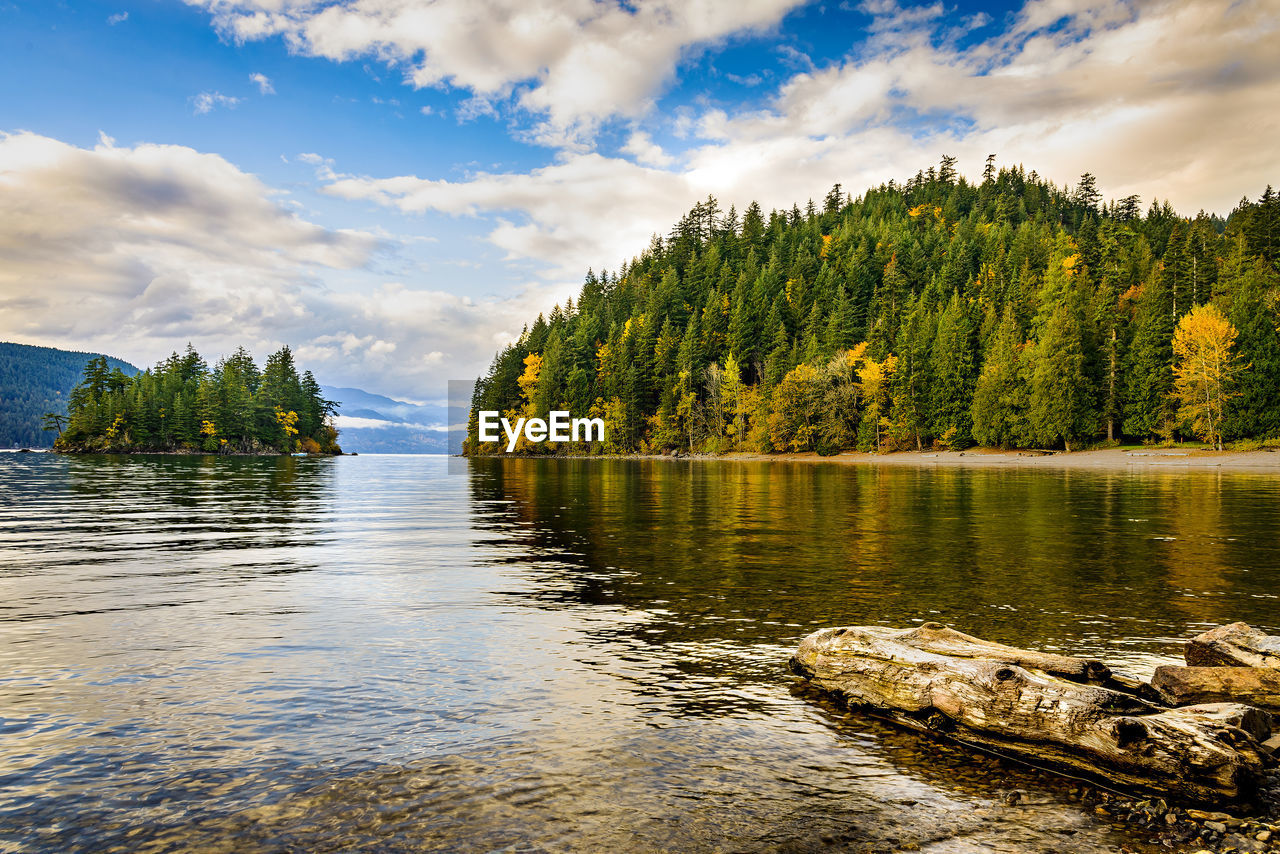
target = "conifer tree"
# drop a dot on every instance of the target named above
(1253, 307)
(1058, 409)
(953, 375)
(1149, 364)
(1000, 400)
(1061, 296)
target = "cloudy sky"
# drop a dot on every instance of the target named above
(394, 187)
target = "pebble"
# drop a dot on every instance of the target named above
(1216, 826)
(1241, 843)
(1263, 836)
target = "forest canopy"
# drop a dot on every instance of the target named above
(38, 380)
(184, 405)
(936, 312)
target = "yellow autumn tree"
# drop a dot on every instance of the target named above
(797, 407)
(733, 401)
(1204, 370)
(529, 379)
(874, 378)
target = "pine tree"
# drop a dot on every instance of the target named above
(1149, 364)
(912, 381)
(953, 375)
(1000, 400)
(1059, 405)
(1252, 301)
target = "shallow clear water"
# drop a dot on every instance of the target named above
(367, 652)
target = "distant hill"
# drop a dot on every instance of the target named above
(36, 380)
(375, 424)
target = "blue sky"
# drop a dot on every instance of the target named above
(393, 187)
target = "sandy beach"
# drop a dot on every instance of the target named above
(1261, 461)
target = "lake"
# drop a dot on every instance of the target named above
(229, 654)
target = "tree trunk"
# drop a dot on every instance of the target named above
(1233, 645)
(1037, 707)
(1185, 686)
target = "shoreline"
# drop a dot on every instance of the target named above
(1104, 459)
(75, 452)
(1264, 461)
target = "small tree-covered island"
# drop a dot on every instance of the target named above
(935, 313)
(182, 405)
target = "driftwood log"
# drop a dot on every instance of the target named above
(1233, 645)
(1185, 686)
(1048, 709)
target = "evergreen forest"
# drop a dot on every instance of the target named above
(38, 380)
(939, 312)
(182, 404)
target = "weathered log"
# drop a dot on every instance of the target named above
(1035, 707)
(940, 639)
(1233, 645)
(1185, 686)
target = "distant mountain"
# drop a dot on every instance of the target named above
(375, 424)
(36, 380)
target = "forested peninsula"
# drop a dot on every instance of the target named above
(933, 313)
(182, 405)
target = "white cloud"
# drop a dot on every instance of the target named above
(355, 422)
(575, 62)
(646, 151)
(205, 102)
(117, 18)
(1099, 90)
(750, 80)
(588, 210)
(134, 251)
(263, 82)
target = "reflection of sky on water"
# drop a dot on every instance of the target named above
(320, 653)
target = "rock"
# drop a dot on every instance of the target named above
(1254, 721)
(1184, 686)
(1233, 645)
(1216, 826)
(1243, 843)
(1272, 744)
(1263, 836)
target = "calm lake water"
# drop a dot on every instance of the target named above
(370, 653)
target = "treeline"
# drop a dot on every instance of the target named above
(1007, 312)
(183, 405)
(33, 381)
